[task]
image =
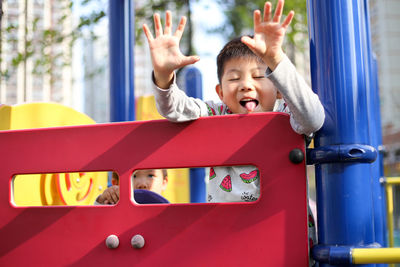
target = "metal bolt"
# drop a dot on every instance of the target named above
(296, 156)
(137, 241)
(112, 241)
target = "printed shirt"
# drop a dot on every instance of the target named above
(234, 183)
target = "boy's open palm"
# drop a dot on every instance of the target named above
(269, 34)
(164, 49)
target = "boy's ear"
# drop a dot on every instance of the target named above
(278, 95)
(218, 89)
(164, 183)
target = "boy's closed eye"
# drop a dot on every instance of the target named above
(150, 175)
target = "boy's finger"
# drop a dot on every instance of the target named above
(181, 27)
(288, 19)
(114, 197)
(168, 22)
(190, 60)
(148, 33)
(278, 11)
(257, 17)
(157, 25)
(267, 11)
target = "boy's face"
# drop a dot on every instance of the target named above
(152, 180)
(244, 87)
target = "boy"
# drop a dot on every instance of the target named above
(254, 76)
(153, 180)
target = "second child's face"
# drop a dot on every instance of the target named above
(152, 180)
(244, 87)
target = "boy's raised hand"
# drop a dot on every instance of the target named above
(269, 34)
(164, 49)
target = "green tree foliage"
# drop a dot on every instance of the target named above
(238, 14)
(39, 42)
(144, 14)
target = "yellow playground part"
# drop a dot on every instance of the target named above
(375, 255)
(178, 179)
(74, 188)
(50, 189)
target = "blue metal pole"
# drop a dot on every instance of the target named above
(379, 187)
(376, 141)
(121, 35)
(194, 88)
(341, 76)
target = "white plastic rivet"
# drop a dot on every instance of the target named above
(78, 180)
(100, 188)
(112, 241)
(137, 241)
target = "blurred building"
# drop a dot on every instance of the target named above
(385, 35)
(143, 69)
(95, 80)
(46, 74)
(72, 72)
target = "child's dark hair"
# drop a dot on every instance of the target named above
(233, 49)
(164, 172)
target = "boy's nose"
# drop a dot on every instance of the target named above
(246, 86)
(141, 186)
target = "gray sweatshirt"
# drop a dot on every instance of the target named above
(241, 183)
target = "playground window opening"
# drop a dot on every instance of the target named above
(196, 185)
(59, 189)
(146, 186)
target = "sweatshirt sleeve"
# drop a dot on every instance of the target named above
(174, 105)
(307, 114)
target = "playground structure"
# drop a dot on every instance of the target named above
(217, 234)
(43, 189)
(350, 195)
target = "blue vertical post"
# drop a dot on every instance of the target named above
(378, 186)
(340, 63)
(121, 38)
(194, 88)
(376, 141)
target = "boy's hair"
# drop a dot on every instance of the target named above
(233, 49)
(164, 173)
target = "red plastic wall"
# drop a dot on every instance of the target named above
(270, 232)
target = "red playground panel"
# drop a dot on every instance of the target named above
(269, 232)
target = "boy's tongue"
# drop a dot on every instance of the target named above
(250, 106)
